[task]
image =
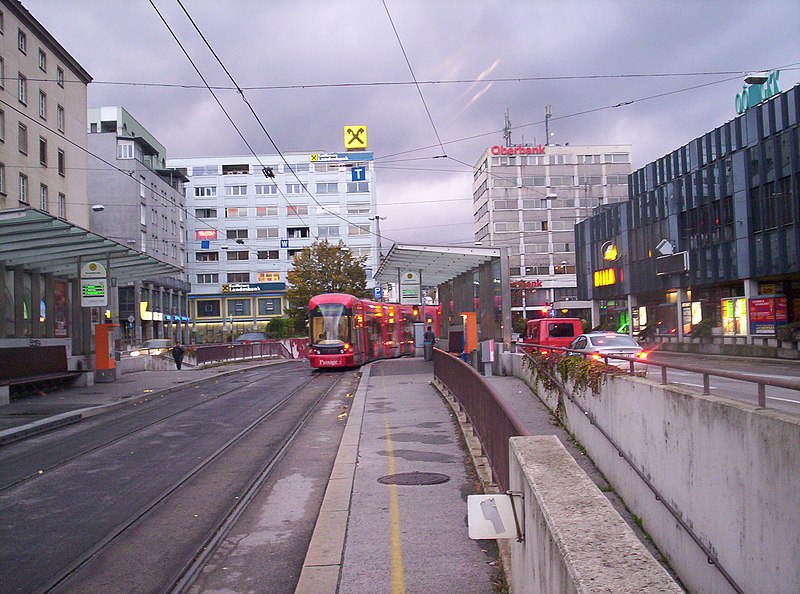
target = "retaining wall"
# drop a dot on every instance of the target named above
(729, 469)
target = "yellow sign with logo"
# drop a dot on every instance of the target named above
(226, 288)
(355, 137)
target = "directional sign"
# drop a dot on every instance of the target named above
(358, 174)
(355, 137)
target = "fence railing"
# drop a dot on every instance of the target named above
(491, 419)
(231, 352)
(761, 383)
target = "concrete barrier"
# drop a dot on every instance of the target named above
(574, 539)
(728, 469)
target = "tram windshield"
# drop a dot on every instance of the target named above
(330, 324)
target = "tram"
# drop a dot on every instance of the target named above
(346, 331)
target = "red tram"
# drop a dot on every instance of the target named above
(346, 331)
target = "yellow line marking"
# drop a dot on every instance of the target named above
(398, 575)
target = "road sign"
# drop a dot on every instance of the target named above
(378, 292)
(358, 174)
(284, 243)
(355, 137)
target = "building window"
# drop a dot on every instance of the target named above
(22, 41)
(239, 307)
(239, 255)
(294, 188)
(268, 254)
(43, 201)
(60, 76)
(2, 74)
(236, 190)
(43, 151)
(297, 232)
(60, 118)
(298, 167)
(236, 233)
(327, 188)
(617, 158)
(266, 189)
(357, 230)
(266, 211)
(207, 279)
(42, 60)
(23, 139)
(208, 308)
(358, 209)
(62, 205)
(269, 277)
(23, 188)
(2, 126)
(2, 179)
(125, 149)
(296, 210)
(206, 256)
(206, 170)
(328, 231)
(267, 233)
(270, 306)
(356, 187)
(62, 168)
(205, 191)
(238, 277)
(234, 213)
(22, 89)
(205, 213)
(42, 105)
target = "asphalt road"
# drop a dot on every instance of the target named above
(68, 492)
(785, 400)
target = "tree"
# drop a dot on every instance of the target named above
(323, 268)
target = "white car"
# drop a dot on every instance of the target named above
(598, 345)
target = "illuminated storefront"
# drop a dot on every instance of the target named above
(239, 308)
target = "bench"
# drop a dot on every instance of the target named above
(25, 369)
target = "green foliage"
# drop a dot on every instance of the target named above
(280, 328)
(551, 369)
(322, 268)
(702, 329)
(517, 323)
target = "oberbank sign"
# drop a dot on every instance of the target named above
(517, 150)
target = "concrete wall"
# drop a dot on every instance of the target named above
(730, 470)
(575, 541)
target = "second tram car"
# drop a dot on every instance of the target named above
(346, 331)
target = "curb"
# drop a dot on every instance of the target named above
(14, 434)
(322, 566)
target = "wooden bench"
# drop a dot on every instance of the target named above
(34, 368)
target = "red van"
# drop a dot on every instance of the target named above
(550, 332)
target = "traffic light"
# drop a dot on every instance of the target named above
(415, 311)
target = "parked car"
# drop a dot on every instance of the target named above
(597, 345)
(550, 332)
(250, 338)
(154, 346)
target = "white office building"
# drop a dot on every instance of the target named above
(248, 216)
(529, 198)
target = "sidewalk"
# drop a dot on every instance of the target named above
(34, 414)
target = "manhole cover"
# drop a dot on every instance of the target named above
(414, 478)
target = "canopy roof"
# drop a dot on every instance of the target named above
(438, 264)
(38, 241)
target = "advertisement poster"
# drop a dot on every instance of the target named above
(734, 316)
(60, 307)
(766, 313)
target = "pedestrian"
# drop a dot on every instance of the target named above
(428, 340)
(177, 354)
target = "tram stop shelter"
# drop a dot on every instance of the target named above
(46, 291)
(468, 279)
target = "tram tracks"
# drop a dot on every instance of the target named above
(63, 461)
(164, 544)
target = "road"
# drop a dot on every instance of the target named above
(126, 501)
(783, 399)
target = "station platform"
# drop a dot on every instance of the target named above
(394, 517)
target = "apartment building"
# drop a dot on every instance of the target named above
(250, 215)
(529, 198)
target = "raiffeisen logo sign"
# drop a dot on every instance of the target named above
(517, 150)
(754, 94)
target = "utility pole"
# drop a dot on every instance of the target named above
(378, 220)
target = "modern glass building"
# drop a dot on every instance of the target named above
(711, 233)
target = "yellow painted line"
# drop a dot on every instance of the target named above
(398, 573)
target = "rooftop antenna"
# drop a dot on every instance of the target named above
(507, 129)
(548, 113)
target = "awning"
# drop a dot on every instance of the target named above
(439, 264)
(38, 241)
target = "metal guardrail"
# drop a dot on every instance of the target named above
(232, 352)
(492, 420)
(761, 383)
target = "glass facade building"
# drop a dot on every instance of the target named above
(711, 232)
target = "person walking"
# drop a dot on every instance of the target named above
(177, 354)
(428, 340)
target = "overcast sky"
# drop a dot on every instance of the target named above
(333, 54)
